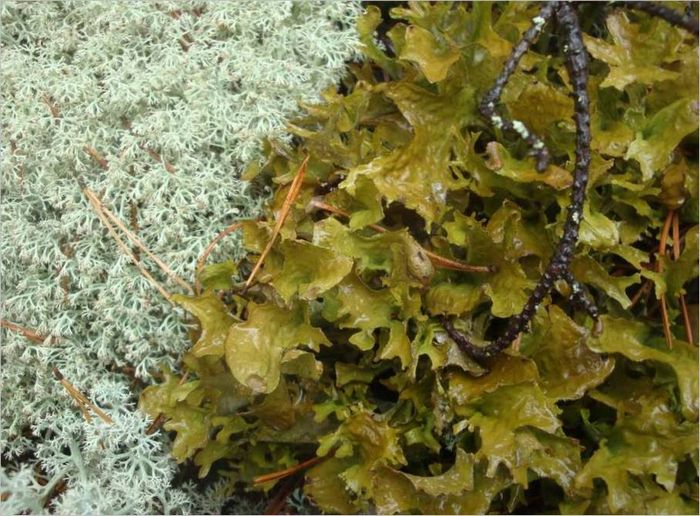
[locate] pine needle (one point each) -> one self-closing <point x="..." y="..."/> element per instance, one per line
<point x="105" y="221"/>
<point x="286" y="207"/>
<point x="659" y="266"/>
<point x="641" y="291"/>
<point x="26" y="332"/>
<point x="289" y="471"/>
<point x="137" y="241"/>
<point x="675" y="228"/>
<point x="83" y="402"/>
<point x="94" y="154"/>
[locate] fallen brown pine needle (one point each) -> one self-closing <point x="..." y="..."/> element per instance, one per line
<point x="659" y="266"/>
<point x="289" y="471"/>
<point x="641" y="291"/>
<point x="675" y="228"/>
<point x="83" y="402"/>
<point x="289" y="200"/>
<point x="105" y="221"/>
<point x="153" y="154"/>
<point x="136" y="240"/>
<point x="94" y="154"/>
<point x="26" y="332"/>
<point x="438" y="261"/>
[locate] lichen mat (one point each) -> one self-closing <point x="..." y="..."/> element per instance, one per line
<point x="409" y="214"/>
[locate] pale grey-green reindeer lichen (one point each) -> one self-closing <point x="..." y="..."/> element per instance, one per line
<point x="157" y="107"/>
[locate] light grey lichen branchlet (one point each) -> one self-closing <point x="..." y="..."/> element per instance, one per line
<point x="157" y="107"/>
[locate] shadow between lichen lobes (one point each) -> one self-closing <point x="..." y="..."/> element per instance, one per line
<point x="338" y="350"/>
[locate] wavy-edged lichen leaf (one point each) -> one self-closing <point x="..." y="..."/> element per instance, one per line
<point x="308" y="270"/>
<point x="394" y="493"/>
<point x="347" y="373"/>
<point x="470" y="234"/>
<point x="366" y="195"/>
<point x="647" y="404"/>
<point x="635" y="56"/>
<point x="504" y="371"/>
<point x="627" y="452"/>
<point x="549" y="456"/>
<point x="586" y="270"/>
<point x="632" y="255"/>
<point x="453" y="298"/>
<point x="301" y="363"/>
<point x="567" y="367"/>
<point x="499" y="414"/>
<point x="519" y="235"/>
<point x="654" y="145"/>
<point x="418" y="175"/>
<point x="157" y="399"/>
<point x="213" y="451"/>
<point x="366" y="25"/>
<point x="215" y="320"/>
<point x="459" y="478"/>
<point x="680" y="271"/>
<point x="371" y="435"/>
<point x="508" y="289"/>
<point x="537" y="104"/>
<point x="395" y="253"/>
<point x="327" y="490"/>
<point x="597" y="230"/>
<point x="523" y="171"/>
<point x="254" y="348"/>
<point x="192" y="427"/>
<point x="628" y="338"/>
<point x="432" y="56"/>
<point x="218" y="275"/>
<point x="352" y="304"/>
<point x="397" y="345"/>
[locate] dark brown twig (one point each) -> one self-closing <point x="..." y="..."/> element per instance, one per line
<point x="490" y="100"/>
<point x="681" y="20"/>
<point x="558" y="268"/>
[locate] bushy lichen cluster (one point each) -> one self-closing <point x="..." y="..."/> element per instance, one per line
<point x="337" y="351"/>
<point x="156" y="107"/>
